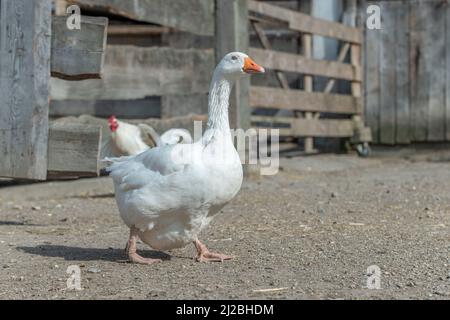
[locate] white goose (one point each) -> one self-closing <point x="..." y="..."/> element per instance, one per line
<point x="168" y="194"/>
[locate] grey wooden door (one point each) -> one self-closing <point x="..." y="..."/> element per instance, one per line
<point x="407" y="64"/>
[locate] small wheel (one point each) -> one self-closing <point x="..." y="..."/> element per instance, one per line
<point x="363" y="150"/>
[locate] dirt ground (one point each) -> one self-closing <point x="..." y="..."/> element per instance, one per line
<point x="309" y="232"/>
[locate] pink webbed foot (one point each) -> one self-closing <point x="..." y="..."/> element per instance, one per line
<point x="135" y="258"/>
<point x="131" y="250"/>
<point x="204" y="255"/>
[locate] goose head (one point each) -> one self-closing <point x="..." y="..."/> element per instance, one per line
<point x="237" y="64"/>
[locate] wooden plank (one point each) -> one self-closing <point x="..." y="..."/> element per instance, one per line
<point x="124" y="109"/>
<point x="419" y="75"/>
<point x="436" y="64"/>
<point x="232" y="35"/>
<point x="387" y="74"/>
<point x="73" y="150"/>
<point x="265" y="97"/>
<point x="134" y="73"/>
<point x="306" y="23"/>
<point x="175" y="105"/>
<point x="283" y="124"/>
<point x="78" y="54"/>
<point x="196" y="16"/>
<point x="186" y="40"/>
<point x="159" y="125"/>
<point x="402" y="126"/>
<point x="330" y="128"/>
<point x="136" y="30"/>
<point x="25" y="31"/>
<point x="270" y="119"/>
<point x="301" y="127"/>
<point x="294" y="63"/>
<point x="372" y="82"/>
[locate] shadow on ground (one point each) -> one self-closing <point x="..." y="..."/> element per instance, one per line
<point x="18" y="223"/>
<point x="88" y="254"/>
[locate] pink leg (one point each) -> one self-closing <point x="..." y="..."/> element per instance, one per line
<point x="131" y="249"/>
<point x="204" y="255"/>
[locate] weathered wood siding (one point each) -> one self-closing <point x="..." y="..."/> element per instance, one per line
<point x="25" y="31"/>
<point x="78" y="54"/>
<point x="73" y="150"/>
<point x="132" y="72"/>
<point x="232" y="35"/>
<point x="195" y="16"/>
<point x="407" y="63"/>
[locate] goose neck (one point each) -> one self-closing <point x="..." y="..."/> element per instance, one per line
<point x="218" y="103"/>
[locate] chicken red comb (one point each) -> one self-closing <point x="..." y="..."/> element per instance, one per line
<point x="112" y="119"/>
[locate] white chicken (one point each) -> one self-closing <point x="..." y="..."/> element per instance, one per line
<point x="129" y="139"/>
<point x="168" y="194"/>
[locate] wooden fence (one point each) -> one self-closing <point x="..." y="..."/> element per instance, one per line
<point x="408" y="72"/>
<point x="309" y="106"/>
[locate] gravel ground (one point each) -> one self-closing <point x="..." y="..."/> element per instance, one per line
<point x="309" y="232"/>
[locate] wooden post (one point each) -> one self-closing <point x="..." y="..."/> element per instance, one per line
<point x="308" y="86"/>
<point x="306" y="44"/>
<point x="362" y="134"/>
<point x="231" y="33"/>
<point x="355" y="58"/>
<point x="25" y="31"/>
<point x="350" y="13"/>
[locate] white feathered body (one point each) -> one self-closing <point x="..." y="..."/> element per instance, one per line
<point x="171" y="201"/>
<point x="171" y="192"/>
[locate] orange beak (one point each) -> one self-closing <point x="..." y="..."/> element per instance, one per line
<point x="251" y="66"/>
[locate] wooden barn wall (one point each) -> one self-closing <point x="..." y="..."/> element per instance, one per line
<point x="407" y="68"/>
<point x="25" y="47"/>
<point x="195" y="16"/>
<point x="151" y="75"/>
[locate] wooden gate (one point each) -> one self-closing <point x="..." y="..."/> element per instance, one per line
<point x="311" y="108"/>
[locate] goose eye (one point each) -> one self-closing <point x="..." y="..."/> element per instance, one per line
<point x="234" y="58"/>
